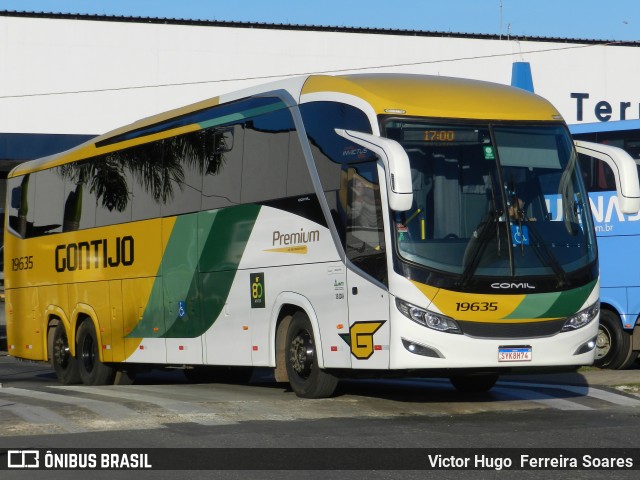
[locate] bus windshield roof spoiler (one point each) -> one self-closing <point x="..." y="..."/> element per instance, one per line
<point x="396" y="164"/>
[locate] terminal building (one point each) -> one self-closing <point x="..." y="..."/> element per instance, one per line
<point x="66" y="78"/>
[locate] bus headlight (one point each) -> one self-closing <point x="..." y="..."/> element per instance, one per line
<point x="428" y="319"/>
<point x="582" y="318"/>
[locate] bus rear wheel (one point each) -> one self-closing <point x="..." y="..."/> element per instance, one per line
<point x="306" y="378"/>
<point x="63" y="363"/>
<point x="92" y="370"/>
<point x="474" y="383"/>
<point x="613" y="344"/>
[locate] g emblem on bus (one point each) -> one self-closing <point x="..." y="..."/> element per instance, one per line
<point x="360" y="338"/>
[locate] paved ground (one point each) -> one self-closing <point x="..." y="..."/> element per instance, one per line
<point x="590" y="376"/>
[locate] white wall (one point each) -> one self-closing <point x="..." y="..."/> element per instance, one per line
<point x="40" y="55"/>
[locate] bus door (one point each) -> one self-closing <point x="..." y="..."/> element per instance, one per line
<point x="367" y="296"/>
<point x="368" y="322"/>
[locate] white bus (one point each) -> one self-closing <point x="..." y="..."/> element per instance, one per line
<point x="324" y="226"/>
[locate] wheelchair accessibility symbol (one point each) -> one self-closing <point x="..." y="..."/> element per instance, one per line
<point x="182" y="308"/>
<point x="519" y="236"/>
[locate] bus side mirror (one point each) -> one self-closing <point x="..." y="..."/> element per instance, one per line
<point x="222" y="140"/>
<point x="624" y="170"/>
<point x="396" y="164"/>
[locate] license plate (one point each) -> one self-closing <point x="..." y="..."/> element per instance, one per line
<point x="514" y="354"/>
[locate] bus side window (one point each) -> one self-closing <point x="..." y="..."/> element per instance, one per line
<point x="21" y="196"/>
<point x="186" y="155"/>
<point x="148" y="180"/>
<point x="266" y="155"/>
<point x="222" y="180"/>
<point x="298" y="177"/>
<point x="111" y="181"/>
<point x="48" y="203"/>
<point x="331" y="151"/>
<point x="79" y="197"/>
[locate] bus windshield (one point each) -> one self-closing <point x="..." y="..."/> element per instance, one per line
<point x="493" y="200"/>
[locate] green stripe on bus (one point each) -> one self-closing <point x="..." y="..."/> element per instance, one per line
<point x="234" y="117"/>
<point x="553" y="305"/>
<point x="571" y="301"/>
<point x="535" y="305"/>
<point x="194" y="286"/>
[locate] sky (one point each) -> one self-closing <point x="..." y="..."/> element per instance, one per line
<point x="577" y="19"/>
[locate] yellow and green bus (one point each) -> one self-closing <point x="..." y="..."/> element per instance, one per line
<point x="322" y="226"/>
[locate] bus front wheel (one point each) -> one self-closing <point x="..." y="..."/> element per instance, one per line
<point x="92" y="370"/>
<point x="63" y="363"/>
<point x="613" y="344"/>
<point x="306" y="378"/>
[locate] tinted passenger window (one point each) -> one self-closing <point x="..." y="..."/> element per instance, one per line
<point x="79" y="197"/>
<point x="266" y="155"/>
<point x="49" y="191"/>
<point x="150" y="180"/>
<point x="223" y="174"/>
<point x="110" y="181"/>
<point x="331" y="151"/>
<point x="22" y="195"/>
<point x="186" y="155"/>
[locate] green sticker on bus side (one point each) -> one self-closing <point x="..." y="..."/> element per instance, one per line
<point x="487" y="150"/>
<point x="257" y="290"/>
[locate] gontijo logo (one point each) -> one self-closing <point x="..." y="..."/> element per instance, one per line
<point x="94" y="254"/>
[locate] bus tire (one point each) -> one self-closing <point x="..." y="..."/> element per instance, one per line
<point x="306" y="378"/>
<point x="62" y="362"/>
<point x="92" y="370"/>
<point x="474" y="383"/>
<point x="613" y="344"/>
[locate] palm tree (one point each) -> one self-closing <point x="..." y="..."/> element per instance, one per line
<point x="156" y="167"/>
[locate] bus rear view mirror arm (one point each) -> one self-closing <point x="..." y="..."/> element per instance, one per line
<point x="624" y="169"/>
<point x="396" y="164"/>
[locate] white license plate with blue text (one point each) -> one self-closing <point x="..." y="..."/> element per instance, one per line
<point x="515" y="354"/>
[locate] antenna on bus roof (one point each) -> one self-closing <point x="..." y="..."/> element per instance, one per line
<point x="500" y="19"/>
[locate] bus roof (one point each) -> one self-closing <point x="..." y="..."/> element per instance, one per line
<point x="438" y="97"/>
<point x="398" y="94"/>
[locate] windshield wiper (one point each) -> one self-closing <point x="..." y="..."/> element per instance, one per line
<point x="478" y="249"/>
<point x="539" y="247"/>
<point x="481" y="245"/>
<point x="542" y="250"/>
